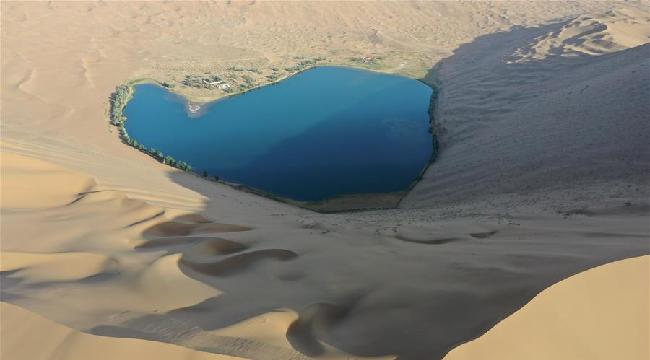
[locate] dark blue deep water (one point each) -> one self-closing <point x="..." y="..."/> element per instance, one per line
<point x="325" y="132"/>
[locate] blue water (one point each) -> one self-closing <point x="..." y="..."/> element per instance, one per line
<point x="325" y="132"/>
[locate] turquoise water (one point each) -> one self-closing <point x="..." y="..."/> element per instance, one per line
<point x="324" y="132"/>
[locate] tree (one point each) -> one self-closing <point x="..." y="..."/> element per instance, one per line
<point x="168" y="160"/>
<point x="183" y="166"/>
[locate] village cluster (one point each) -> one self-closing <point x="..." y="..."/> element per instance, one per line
<point x="206" y="82"/>
<point x="244" y="78"/>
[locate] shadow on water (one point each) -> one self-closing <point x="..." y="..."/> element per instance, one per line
<point x="355" y="172"/>
<point x="360" y="292"/>
<point x="303" y="166"/>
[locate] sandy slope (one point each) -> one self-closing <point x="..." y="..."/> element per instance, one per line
<point x="543" y="174"/>
<point x="57" y="185"/>
<point x="25" y="329"/>
<point x="558" y="120"/>
<point x="571" y="329"/>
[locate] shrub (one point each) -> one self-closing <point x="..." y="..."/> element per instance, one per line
<point x="118" y="101"/>
<point x="248" y="80"/>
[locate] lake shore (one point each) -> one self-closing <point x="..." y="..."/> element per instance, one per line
<point x="540" y="178"/>
<point x="346" y="202"/>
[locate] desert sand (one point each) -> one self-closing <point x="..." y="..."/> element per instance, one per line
<point x="542" y="174"/>
<point x="570" y="330"/>
<point x="55" y="340"/>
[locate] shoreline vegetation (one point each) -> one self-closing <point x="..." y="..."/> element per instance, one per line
<point x="119" y="99"/>
<point x="200" y="87"/>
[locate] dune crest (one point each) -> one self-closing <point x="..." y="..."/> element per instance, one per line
<point x="601" y="313"/>
<point x="542" y="174"/>
<point x="54" y="267"/>
<point x="57" y="341"/>
<point x="32" y="183"/>
<point x="590" y="35"/>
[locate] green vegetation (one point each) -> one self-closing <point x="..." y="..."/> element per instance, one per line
<point x="367" y="60"/>
<point x="118" y="101"/>
<point x="202" y="81"/>
<point x="248" y="79"/>
<point x="434" y="127"/>
<point x="249" y="82"/>
<point x="304" y="64"/>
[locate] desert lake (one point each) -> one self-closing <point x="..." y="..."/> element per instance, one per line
<point x="323" y="133"/>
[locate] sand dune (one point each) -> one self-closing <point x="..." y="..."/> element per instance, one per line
<point x="55" y="185"/>
<point x="58" y="341"/>
<point x="590" y="35"/>
<point x="543" y="174"/>
<point x="599" y="314"/>
<point x="539" y="126"/>
<point x="54" y="267"/>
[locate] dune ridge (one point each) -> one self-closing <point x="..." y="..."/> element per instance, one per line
<point x="613" y="31"/>
<point x="571" y="330"/>
<point x="56" y="340"/>
<point x="540" y="177"/>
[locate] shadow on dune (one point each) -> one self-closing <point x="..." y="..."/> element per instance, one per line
<point x="360" y="291"/>
<point x="561" y="121"/>
<point x="432" y="297"/>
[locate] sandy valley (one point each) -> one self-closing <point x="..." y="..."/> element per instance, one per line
<point x="532" y="222"/>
